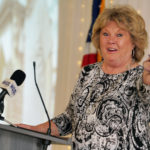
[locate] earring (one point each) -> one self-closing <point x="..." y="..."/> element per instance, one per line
<point x="133" y="53"/>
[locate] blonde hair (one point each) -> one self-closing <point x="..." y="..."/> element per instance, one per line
<point x="128" y="19"/>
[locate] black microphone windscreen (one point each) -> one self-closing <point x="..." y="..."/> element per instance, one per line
<point x="18" y="76"/>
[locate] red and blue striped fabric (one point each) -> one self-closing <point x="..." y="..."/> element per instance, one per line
<point x="91" y="55"/>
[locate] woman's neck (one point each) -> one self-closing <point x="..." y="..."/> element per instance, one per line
<point x="112" y="69"/>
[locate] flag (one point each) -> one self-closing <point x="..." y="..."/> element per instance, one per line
<point x="91" y="55"/>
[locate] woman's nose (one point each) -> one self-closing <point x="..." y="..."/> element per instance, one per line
<point x="112" y="40"/>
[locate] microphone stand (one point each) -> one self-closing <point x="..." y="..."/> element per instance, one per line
<point x="45" y="142"/>
<point x="1" y="105"/>
<point x="10" y="123"/>
<point x="1" y="111"/>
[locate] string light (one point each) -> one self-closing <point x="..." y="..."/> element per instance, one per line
<point x="82" y="5"/>
<point x="69" y="147"/>
<point x="111" y="2"/>
<point x="80" y="48"/>
<point x="138" y="11"/>
<point x="81" y="33"/>
<point x="82" y="20"/>
<point x="79" y="62"/>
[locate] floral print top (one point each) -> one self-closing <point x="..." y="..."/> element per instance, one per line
<point x="107" y="111"/>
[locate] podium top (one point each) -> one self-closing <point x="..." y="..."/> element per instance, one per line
<point x="53" y="139"/>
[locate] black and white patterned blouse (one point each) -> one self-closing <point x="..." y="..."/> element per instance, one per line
<point x="107" y="111"/>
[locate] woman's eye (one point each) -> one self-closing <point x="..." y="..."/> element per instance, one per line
<point x="119" y="35"/>
<point x="105" y="34"/>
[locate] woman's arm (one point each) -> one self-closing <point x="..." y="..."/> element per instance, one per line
<point x="42" y="128"/>
<point x="61" y="124"/>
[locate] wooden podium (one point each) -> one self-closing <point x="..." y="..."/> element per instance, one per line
<point x="13" y="138"/>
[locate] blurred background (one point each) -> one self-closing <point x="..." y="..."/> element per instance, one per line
<point x="53" y="33"/>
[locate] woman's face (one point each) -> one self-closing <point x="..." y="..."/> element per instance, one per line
<point x="115" y="45"/>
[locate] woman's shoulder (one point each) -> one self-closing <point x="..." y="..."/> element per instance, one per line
<point x="90" y="71"/>
<point x="137" y="69"/>
<point x="92" y="66"/>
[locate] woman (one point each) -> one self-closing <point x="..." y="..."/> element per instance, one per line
<point x="109" y="106"/>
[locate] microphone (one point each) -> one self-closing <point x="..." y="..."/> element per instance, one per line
<point x="46" y="142"/>
<point x="9" y="86"/>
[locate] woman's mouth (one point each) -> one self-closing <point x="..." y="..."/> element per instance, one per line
<point x="111" y="49"/>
